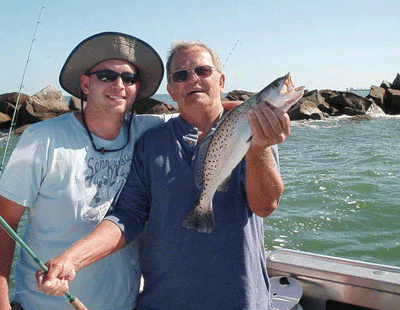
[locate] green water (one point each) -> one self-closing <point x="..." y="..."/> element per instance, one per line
<point x="342" y="190"/>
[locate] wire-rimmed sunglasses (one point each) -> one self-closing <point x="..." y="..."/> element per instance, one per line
<point x="111" y="76"/>
<point x="182" y="75"/>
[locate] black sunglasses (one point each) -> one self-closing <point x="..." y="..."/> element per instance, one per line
<point x="182" y="75"/>
<point x="110" y="76"/>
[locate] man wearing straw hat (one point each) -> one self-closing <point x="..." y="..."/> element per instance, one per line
<point x="67" y="171"/>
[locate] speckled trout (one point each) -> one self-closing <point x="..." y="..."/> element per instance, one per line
<point x="221" y="153"/>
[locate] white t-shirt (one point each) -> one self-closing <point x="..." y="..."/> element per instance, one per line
<point x="67" y="188"/>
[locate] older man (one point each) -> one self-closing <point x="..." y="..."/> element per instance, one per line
<point x="184" y="269"/>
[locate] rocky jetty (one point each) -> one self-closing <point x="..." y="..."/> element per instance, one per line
<point x="322" y="104"/>
<point x="315" y="104"/>
<point x="50" y="102"/>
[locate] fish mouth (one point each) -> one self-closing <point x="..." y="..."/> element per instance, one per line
<point x="290" y="90"/>
<point x="290" y="93"/>
<point x="289" y="85"/>
<point x="293" y="97"/>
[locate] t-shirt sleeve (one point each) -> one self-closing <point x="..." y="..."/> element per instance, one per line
<point x="23" y="174"/>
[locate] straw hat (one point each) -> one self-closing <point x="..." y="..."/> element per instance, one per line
<point x="113" y="45"/>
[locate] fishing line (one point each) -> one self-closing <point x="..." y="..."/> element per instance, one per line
<point x="237" y="41"/>
<point x="15" y="114"/>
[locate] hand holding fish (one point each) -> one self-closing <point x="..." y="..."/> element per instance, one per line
<point x="269" y="125"/>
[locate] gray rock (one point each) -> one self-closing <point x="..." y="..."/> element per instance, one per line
<point x="48" y="103"/>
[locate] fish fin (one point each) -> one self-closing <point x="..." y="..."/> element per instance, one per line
<point x="224" y="186"/>
<point x="249" y="139"/>
<point x="200" y="219"/>
<point x="201" y="156"/>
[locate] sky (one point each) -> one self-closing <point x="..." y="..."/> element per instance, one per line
<point x="324" y="44"/>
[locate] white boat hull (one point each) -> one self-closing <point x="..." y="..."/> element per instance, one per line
<point x="334" y="283"/>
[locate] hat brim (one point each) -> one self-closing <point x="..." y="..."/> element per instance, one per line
<point x="113" y="45"/>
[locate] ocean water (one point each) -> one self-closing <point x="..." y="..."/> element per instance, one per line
<point x="342" y="189"/>
<point x="342" y="185"/>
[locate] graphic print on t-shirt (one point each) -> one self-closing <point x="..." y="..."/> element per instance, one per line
<point x="108" y="178"/>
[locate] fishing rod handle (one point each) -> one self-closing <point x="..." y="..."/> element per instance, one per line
<point x="78" y="305"/>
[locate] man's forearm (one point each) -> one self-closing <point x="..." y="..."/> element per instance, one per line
<point x="11" y="212"/>
<point x="7" y="246"/>
<point x="104" y="240"/>
<point x="264" y="185"/>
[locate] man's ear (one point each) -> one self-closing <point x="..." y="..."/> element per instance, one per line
<point x="85" y="84"/>
<point x="222" y="82"/>
<point x="171" y="92"/>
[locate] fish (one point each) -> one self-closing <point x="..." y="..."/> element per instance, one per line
<point x="223" y="151"/>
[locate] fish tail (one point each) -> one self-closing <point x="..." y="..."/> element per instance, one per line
<point x="200" y="219"/>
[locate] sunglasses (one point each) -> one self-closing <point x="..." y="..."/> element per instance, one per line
<point x="111" y="76"/>
<point x="182" y="75"/>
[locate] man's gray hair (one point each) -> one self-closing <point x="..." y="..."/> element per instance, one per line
<point x="181" y="46"/>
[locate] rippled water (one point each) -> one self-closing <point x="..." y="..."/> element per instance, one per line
<point x="342" y="190"/>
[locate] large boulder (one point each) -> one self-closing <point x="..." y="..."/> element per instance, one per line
<point x="377" y="94"/>
<point x="8" y="102"/>
<point x="74" y="104"/>
<point x="46" y="104"/>
<point x="346" y="103"/>
<point x="5" y="121"/>
<point x="154" y="106"/>
<point x="386" y="85"/>
<point x="239" y="95"/>
<point x="308" y="107"/>
<point x="387" y="96"/>
<point x="396" y="82"/>
<point x="392" y="101"/>
<point x="306" y="110"/>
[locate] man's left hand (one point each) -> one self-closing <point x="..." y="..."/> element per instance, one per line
<point x="269" y="124"/>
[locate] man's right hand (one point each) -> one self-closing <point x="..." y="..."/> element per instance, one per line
<point x="56" y="280"/>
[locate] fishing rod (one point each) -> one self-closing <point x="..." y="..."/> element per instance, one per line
<point x="13" y="121"/>
<point x="74" y="301"/>
<point x="237" y="41"/>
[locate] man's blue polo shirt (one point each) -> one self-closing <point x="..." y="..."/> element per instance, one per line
<point x="184" y="269"/>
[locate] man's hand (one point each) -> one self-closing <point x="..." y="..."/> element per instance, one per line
<point x="269" y="124"/>
<point x="56" y="280"/>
